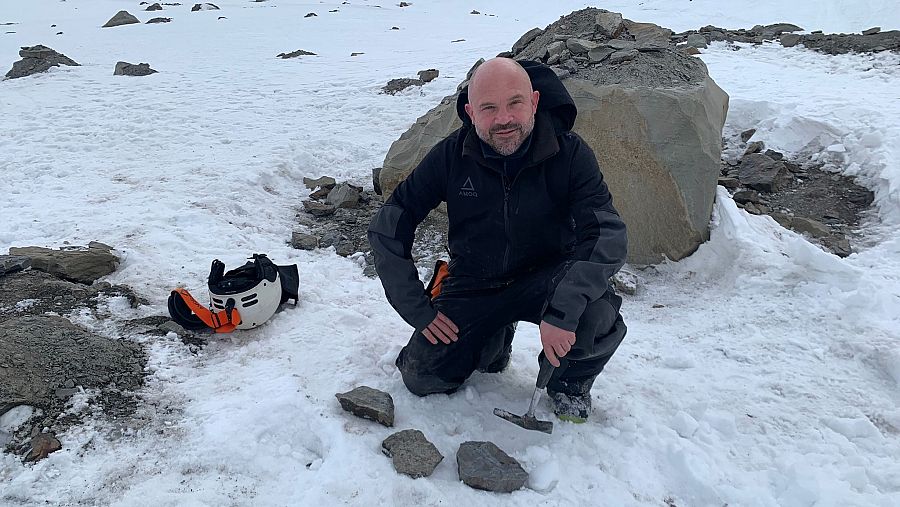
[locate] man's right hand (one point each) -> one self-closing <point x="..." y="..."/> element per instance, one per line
<point x="441" y="328"/>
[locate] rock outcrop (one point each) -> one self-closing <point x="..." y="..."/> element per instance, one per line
<point x="37" y="59"/>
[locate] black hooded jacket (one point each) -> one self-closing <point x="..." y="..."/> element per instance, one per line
<point x="555" y="209"/>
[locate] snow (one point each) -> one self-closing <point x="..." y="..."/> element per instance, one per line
<point x="759" y="371"/>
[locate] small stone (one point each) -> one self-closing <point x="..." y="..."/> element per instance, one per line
<point x="405" y="4"/>
<point x="872" y="31"/>
<point x="838" y="244"/>
<point x="690" y="50"/>
<point x="789" y="40"/>
<point x="428" y="75"/>
<point x="696" y="40"/>
<point x="13" y="263"/>
<point x="775" y="155"/>
<point x="619" y="44"/>
<point x="761" y="173"/>
<point x="754" y="147"/>
<point x="623" y="56"/>
<point x="159" y="20"/>
<point x="343" y="196"/>
<point x="483" y="465"/>
<point x="171" y="326"/>
<point x="752" y="208"/>
<point x="369" y="403"/>
<point x="320" y="194"/>
<point x="41" y="446"/>
<point x="154" y="7"/>
<point x="376" y="180"/>
<point x="303" y="241"/>
<point x="809" y="226"/>
<point x="474" y="12"/>
<point x="599" y="54"/>
<point x="609" y="24"/>
<point x="356" y="54"/>
<point x="310" y="15"/>
<point x="324" y="182"/>
<point x="625" y="282"/>
<point x="747" y="134"/>
<point x="579" y="46"/>
<point x="411" y="453"/>
<point x="746" y="196"/>
<point x="318" y="209"/>
<point x="729" y="183"/>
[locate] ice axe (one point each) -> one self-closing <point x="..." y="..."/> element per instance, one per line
<point x="528" y="421"/>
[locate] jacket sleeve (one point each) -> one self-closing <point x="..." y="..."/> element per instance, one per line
<point x="601" y="242"/>
<point x="392" y="231"/>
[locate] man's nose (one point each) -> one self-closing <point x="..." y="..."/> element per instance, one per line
<point x="503" y="116"/>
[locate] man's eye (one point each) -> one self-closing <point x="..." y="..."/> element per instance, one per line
<point x="488" y="108"/>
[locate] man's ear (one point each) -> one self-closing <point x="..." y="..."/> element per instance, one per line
<point x="470" y="111"/>
<point x="535" y="96"/>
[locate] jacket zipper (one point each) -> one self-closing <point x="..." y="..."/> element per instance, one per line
<point x="506" y="190"/>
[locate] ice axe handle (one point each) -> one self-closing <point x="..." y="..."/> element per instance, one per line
<point x="544" y="373"/>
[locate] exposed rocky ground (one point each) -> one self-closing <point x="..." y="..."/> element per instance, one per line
<point x="872" y="40"/>
<point x="799" y="194"/>
<point x="45" y="359"/>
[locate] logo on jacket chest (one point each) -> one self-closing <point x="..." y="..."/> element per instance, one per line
<point x="467" y="189"/>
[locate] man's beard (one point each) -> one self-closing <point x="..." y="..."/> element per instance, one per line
<point x="508" y="146"/>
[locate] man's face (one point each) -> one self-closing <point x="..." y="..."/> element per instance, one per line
<point x="502" y="106"/>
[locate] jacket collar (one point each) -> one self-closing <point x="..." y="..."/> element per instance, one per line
<point x="543" y="144"/>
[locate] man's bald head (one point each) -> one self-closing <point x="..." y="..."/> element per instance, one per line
<point x="496" y="70"/>
<point x="502" y="104"/>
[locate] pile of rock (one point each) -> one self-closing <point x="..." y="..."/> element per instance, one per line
<point x="131" y="69"/>
<point x="799" y="195"/>
<point x="480" y="465"/>
<point x="342" y="220"/>
<point x="37" y="59"/>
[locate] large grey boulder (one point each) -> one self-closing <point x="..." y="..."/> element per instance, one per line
<point x="76" y="264"/>
<point x="121" y="18"/>
<point x="654" y="119"/>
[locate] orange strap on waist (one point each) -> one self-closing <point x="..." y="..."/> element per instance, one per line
<point x="223" y="321"/>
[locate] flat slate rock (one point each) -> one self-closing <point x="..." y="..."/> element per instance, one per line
<point x="411" y="453"/>
<point x="483" y="465"/>
<point x="77" y="264"/>
<point x="369" y="403"/>
<point x="36" y="59"/>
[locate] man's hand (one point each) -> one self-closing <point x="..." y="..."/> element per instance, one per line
<point x="441" y="328"/>
<point x="557" y="342"/>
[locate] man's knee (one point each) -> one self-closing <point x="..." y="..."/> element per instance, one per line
<point x="425" y="384"/>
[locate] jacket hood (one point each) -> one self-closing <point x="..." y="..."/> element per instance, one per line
<point x="555" y="99"/>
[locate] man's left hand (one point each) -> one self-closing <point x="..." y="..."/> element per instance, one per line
<point x="557" y="342"/>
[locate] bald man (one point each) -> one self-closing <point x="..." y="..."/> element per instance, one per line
<point x="533" y="236"/>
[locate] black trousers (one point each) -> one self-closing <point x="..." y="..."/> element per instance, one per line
<point x="486" y="314"/>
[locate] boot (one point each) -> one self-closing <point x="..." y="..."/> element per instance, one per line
<point x="571" y="399"/>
